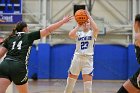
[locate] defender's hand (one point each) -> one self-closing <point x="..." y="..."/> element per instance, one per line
<point x="67" y="18"/>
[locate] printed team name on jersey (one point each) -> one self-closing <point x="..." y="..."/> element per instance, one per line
<point x="85" y="38"/>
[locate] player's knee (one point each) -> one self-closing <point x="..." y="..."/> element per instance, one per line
<point x="72" y="76"/>
<point x="70" y="85"/>
<point x="87" y="77"/>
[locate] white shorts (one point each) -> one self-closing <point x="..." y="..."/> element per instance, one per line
<point x="81" y="63"/>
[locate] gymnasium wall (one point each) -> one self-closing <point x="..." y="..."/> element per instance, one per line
<point x="111" y="62"/>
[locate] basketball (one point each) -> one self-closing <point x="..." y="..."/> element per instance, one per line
<point x="80" y="16"/>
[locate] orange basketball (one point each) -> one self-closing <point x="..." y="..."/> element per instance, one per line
<point x="80" y="16"/>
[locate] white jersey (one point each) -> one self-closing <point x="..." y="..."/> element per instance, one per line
<point x="85" y="43"/>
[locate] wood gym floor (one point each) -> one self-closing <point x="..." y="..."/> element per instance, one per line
<point x="57" y="86"/>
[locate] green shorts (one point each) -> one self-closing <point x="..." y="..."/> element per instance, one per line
<point x="13" y="70"/>
<point x="134" y="79"/>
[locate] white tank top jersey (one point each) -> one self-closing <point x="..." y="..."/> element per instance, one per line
<point x="85" y="43"/>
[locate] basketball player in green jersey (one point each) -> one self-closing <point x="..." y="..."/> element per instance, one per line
<point x="17" y="46"/>
<point x="132" y="85"/>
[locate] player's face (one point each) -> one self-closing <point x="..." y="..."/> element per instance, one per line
<point x="86" y="26"/>
<point x="137" y="26"/>
<point x="26" y="29"/>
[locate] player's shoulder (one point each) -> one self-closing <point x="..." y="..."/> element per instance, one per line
<point x="20" y="33"/>
<point x="20" y="36"/>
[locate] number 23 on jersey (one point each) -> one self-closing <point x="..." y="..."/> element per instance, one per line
<point x="84" y="45"/>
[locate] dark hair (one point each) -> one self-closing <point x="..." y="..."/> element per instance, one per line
<point x="20" y="25"/>
<point x="19" y="28"/>
<point x="137" y="18"/>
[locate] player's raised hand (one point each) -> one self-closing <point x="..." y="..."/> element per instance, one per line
<point x="87" y="13"/>
<point x="67" y="18"/>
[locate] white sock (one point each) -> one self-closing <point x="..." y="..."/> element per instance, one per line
<point x="88" y="87"/>
<point x="70" y="85"/>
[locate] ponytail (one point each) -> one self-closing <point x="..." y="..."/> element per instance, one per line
<point x="11" y="35"/>
<point x="19" y="28"/>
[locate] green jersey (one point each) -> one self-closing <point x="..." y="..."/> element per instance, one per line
<point x="18" y="46"/>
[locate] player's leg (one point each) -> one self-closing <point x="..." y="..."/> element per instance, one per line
<point x="87" y="74"/>
<point x="74" y="71"/>
<point x="21" y="82"/>
<point x="71" y="80"/>
<point x="23" y="88"/>
<point x="122" y="90"/>
<point x="87" y="79"/>
<point x="130" y="86"/>
<point x="4" y="83"/>
<point x="19" y="76"/>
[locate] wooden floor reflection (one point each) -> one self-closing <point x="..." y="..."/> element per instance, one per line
<point x="57" y="86"/>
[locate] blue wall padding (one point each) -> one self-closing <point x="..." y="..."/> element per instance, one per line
<point x="43" y="61"/>
<point x="110" y="62"/>
<point x="33" y="62"/>
<point x="132" y="62"/>
<point x="61" y="56"/>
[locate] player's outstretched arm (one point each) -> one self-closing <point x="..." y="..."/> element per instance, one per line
<point x="94" y="26"/>
<point x="46" y="31"/>
<point x="72" y="33"/>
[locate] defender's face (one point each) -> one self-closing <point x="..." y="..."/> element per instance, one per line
<point x="26" y="29"/>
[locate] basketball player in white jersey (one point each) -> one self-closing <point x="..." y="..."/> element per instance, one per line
<point x="83" y="56"/>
